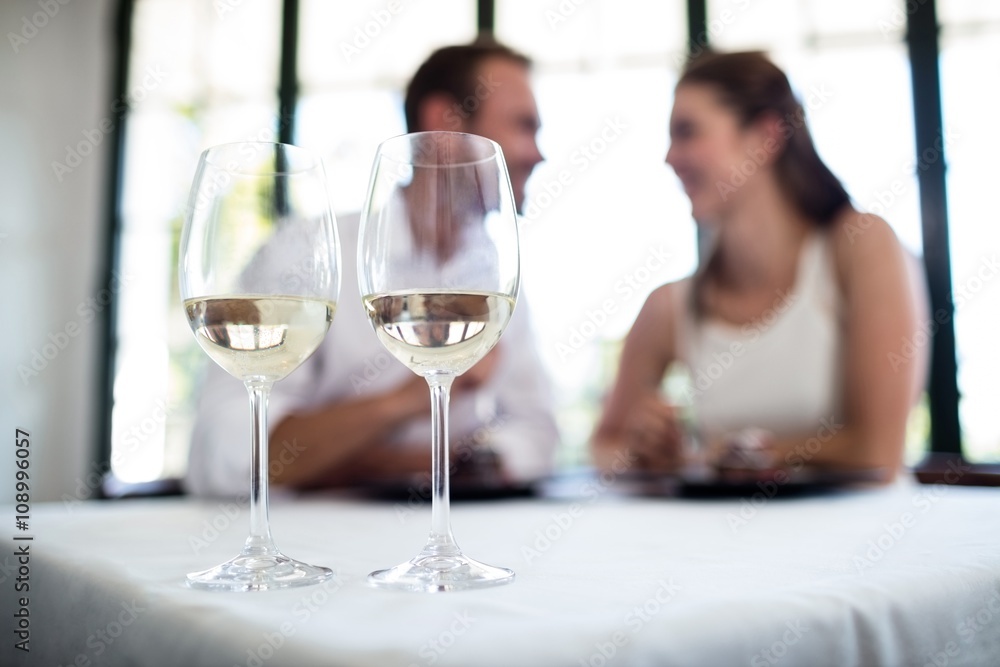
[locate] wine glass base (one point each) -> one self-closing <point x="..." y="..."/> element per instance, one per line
<point x="258" y="573"/>
<point x="435" y="573"/>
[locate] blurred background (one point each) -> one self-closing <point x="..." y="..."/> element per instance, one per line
<point x="108" y="103"/>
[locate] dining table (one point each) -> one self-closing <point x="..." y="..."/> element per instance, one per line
<point x="898" y="574"/>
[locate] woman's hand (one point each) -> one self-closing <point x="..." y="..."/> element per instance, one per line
<point x="654" y="435"/>
<point x="748" y="453"/>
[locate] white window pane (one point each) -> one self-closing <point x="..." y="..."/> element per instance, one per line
<point x="207" y="48"/>
<point x="548" y="35"/>
<point x="968" y="11"/>
<point x="608" y="207"/>
<point x="345" y="128"/>
<point x="198" y="77"/>
<point x="605" y="186"/>
<point x="365" y="42"/>
<point x="576" y="34"/>
<point x="970" y="105"/>
<point x="354" y="62"/>
<point x="858" y="106"/>
<point x="769" y="24"/>
<point x="603" y="202"/>
<point x="155" y="27"/>
<point x="240" y="51"/>
<point x="642" y="27"/>
<point x="887" y="18"/>
<point x="247" y="119"/>
<point x="735" y="25"/>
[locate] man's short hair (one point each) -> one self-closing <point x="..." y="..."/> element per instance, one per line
<point x="453" y="70"/>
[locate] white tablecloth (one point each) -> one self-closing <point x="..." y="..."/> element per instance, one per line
<point x="908" y="575"/>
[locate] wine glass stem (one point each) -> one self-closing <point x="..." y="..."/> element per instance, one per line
<point x="441" y="540"/>
<point x="260" y="541"/>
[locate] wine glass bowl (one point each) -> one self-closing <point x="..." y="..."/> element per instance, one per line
<point x="439" y="332"/>
<point x="259" y="278"/>
<point x="439" y="272"/>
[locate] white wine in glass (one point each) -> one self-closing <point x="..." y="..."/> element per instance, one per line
<point x="259" y="275"/>
<point x="439" y="276"/>
<point x="442" y="331"/>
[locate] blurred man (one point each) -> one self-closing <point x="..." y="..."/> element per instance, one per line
<point x="352" y="414"/>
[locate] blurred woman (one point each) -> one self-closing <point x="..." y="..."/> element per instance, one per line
<point x="793" y="329"/>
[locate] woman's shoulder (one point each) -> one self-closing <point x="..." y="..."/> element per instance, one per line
<point x="861" y="242"/>
<point x="669" y="299"/>
<point x="663" y="313"/>
<point x="654" y="337"/>
<point x="855" y="234"/>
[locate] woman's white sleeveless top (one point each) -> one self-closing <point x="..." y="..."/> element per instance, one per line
<point x="783" y="370"/>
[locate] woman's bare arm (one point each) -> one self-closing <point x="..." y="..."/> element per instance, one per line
<point x="635" y="421"/>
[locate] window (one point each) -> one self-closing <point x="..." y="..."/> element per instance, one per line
<point x="823" y="47"/>
<point x="970" y="46"/>
<point x="603" y="203"/>
<point x="354" y="60"/>
<point x="218" y="84"/>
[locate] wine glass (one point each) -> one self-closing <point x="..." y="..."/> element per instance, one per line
<point x="259" y="277"/>
<point x="439" y="274"/>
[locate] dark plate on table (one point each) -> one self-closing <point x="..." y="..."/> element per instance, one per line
<point x="474" y="475"/>
<point x="706" y="483"/>
<point x="417" y="490"/>
<point x="775" y="483"/>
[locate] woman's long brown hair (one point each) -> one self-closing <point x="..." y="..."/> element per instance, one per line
<point x="754" y="87"/>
